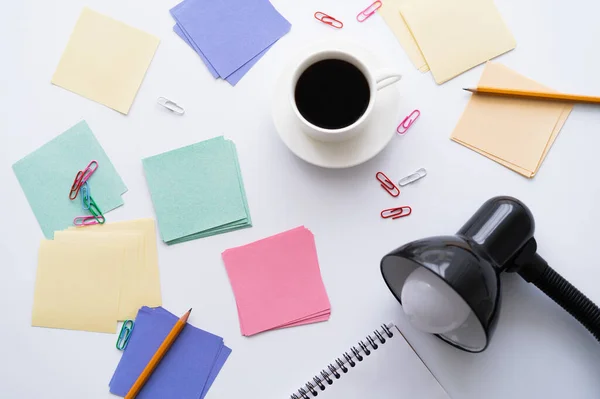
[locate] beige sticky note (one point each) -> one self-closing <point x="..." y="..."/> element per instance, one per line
<point x="105" y="60"/>
<point x="148" y="281"/>
<point x="390" y="12"/>
<point x="455" y="36"/>
<point x="76" y="289"/>
<point x="517" y="133"/>
<point x="131" y="245"/>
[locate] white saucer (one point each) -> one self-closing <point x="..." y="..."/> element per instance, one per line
<point x="377" y="134"/>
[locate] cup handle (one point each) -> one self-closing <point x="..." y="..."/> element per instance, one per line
<point x="386" y="78"/>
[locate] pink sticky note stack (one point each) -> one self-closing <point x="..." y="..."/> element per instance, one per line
<point x="277" y="282"/>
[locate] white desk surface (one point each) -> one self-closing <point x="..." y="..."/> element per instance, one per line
<point x="538" y="351"/>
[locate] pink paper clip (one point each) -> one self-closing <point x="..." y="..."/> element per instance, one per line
<point x="387" y="184"/>
<point x="407" y="122"/>
<point x="395" y="213"/>
<point x="89" y="170"/>
<point x="367" y="12"/>
<point x="329" y="20"/>
<point x="86" y="220"/>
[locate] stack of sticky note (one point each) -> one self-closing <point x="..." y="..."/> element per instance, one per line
<point x="515" y="132"/>
<point x="277" y="282"/>
<point x="88" y="278"/>
<point x="230" y="36"/>
<point x="187" y="371"/>
<point x="448" y="37"/>
<point x="47" y="174"/>
<point x="197" y="191"/>
<point x="105" y="60"/>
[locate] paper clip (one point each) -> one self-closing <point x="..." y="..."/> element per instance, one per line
<point x="81" y="177"/>
<point x="395" y="213"/>
<point x="76" y="186"/>
<point x="87" y="172"/>
<point x="170" y="105"/>
<point x="80" y="221"/>
<point x="125" y="334"/>
<point x="387" y="184"/>
<point x="96" y="212"/>
<point x="85" y="196"/>
<point x="407" y="122"/>
<point x="419" y="174"/>
<point x="367" y="12"/>
<point x="329" y="20"/>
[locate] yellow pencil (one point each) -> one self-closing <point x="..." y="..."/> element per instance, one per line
<point x="536" y="95"/>
<point x="160" y="353"/>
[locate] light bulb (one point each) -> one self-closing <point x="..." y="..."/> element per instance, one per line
<point x="430" y="304"/>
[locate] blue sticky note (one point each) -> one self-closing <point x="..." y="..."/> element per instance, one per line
<point x="46" y="176"/>
<point x="236" y="76"/>
<point x="186" y="372"/>
<point x="230" y="32"/>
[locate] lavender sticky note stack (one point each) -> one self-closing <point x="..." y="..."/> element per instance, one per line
<point x="229" y="35"/>
<point x="188" y="369"/>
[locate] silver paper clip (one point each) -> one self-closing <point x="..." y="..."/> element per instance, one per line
<point x="419" y="174"/>
<point x="170" y="105"/>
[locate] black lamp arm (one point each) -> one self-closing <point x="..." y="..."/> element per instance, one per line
<point x="539" y="273"/>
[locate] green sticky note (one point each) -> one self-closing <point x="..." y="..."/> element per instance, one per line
<point x="46" y="176"/>
<point x="197" y="191"/>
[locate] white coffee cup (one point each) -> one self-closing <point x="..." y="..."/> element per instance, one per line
<point x="377" y="81"/>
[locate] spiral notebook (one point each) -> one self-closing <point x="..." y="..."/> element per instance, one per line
<point x="382" y="366"/>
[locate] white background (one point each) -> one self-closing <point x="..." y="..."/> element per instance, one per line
<point x="538" y="351"/>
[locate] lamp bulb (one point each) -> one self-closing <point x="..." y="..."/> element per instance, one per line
<point x="430" y="304"/>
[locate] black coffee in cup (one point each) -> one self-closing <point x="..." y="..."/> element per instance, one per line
<point x="332" y="94"/>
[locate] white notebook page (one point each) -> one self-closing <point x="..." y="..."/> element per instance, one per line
<point x="393" y="371"/>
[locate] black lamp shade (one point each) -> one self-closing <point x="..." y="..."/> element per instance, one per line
<point x="470" y="263"/>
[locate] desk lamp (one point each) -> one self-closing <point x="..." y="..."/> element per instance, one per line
<point x="450" y="285"/>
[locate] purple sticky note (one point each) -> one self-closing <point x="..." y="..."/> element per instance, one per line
<point x="187" y="370"/>
<point x="235" y="77"/>
<point x="230" y="33"/>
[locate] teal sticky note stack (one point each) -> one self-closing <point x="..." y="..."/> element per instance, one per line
<point x="46" y="176"/>
<point x="197" y="191"/>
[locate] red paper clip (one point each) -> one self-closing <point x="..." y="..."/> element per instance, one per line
<point x="76" y="185"/>
<point x="387" y="184"/>
<point x="408" y="121"/>
<point x="367" y="12"/>
<point x="396" y="213"/>
<point x="81" y="177"/>
<point x="329" y="20"/>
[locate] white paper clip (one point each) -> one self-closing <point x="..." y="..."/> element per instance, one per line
<point x="170" y="105"/>
<point x="419" y="174"/>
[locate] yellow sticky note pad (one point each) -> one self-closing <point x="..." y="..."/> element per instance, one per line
<point x="455" y="36"/>
<point x="147" y="284"/>
<point x="390" y="12"/>
<point x="131" y="246"/>
<point x="76" y="289"/>
<point x="105" y="60"/>
<point x="517" y="133"/>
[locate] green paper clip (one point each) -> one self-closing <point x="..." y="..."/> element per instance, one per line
<point x="96" y="212"/>
<point x="125" y="334"/>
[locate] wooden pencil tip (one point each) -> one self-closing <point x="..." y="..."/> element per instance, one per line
<point x="190" y="311"/>
<point x="471" y="90"/>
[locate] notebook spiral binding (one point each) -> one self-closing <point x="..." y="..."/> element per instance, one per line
<point x="340" y="365"/>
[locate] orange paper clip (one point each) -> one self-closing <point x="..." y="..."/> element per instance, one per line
<point x="367" y="12"/>
<point x="396" y="213"/>
<point x="407" y="122"/>
<point x="329" y="20"/>
<point x="387" y="184"/>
